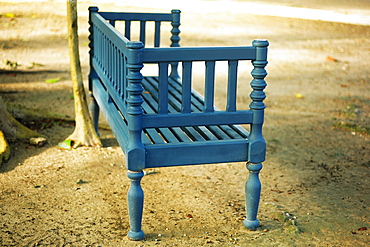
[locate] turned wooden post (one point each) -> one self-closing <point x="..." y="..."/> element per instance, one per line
<point x="135" y="155"/>
<point x="175" y="39"/>
<point x="257" y="144"/>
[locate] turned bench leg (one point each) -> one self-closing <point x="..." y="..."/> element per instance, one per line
<point x="94" y="111"/>
<point x="253" y="192"/>
<point x="135" y="199"/>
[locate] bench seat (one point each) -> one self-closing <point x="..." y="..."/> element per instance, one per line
<point x="210" y="141"/>
<point x="216" y="143"/>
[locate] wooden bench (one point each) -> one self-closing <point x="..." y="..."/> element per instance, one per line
<point x="160" y="121"/>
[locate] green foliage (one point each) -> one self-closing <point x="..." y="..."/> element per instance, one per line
<point x="355" y="117"/>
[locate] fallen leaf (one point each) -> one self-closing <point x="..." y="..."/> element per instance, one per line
<point x="68" y="144"/>
<point x="331" y="59"/>
<point x="54" y="80"/>
<point x="9" y="15"/>
<point x="80" y="181"/>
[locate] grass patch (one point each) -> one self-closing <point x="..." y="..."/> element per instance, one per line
<point x="355" y="117"/>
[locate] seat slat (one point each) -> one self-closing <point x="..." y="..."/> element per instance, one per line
<point x="205" y="133"/>
<point x="193" y="134"/>
<point x="168" y="135"/>
<point x="154" y="137"/>
<point x="181" y="136"/>
<point x="218" y="132"/>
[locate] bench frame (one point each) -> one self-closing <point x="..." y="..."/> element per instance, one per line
<point x="161" y="121"/>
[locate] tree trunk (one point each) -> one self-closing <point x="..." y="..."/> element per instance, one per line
<point x="84" y="133"/>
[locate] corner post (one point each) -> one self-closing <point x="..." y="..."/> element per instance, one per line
<point x="135" y="152"/>
<point x="93" y="107"/>
<point x="257" y="144"/>
<point x="175" y="39"/>
<point x="135" y="155"/>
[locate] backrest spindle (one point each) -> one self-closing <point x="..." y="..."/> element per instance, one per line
<point x="186" y="87"/>
<point x="128" y="30"/>
<point x="232" y="86"/>
<point x="163" y="88"/>
<point x="209" y="94"/>
<point x="142" y="31"/>
<point x="157" y="34"/>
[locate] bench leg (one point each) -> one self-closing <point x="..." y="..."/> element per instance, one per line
<point x="253" y="192"/>
<point x="135" y="198"/>
<point x="94" y="111"/>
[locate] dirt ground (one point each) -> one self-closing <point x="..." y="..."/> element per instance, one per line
<point x="315" y="179"/>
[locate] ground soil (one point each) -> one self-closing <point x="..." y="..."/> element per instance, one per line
<point x="315" y="179"/>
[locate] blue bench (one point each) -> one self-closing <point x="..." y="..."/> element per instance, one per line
<point x="160" y="121"/>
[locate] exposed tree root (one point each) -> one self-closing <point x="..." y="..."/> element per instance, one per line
<point x="4" y="149"/>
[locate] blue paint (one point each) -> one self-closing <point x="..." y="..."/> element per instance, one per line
<point x="161" y="121"/>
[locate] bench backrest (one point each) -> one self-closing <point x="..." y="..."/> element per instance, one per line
<point x="143" y="19"/>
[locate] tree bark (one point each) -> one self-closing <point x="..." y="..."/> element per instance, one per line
<point x="84" y="133"/>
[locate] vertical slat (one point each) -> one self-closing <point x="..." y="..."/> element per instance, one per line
<point x="142" y="31"/>
<point x="209" y="93"/>
<point x="104" y="51"/>
<point x="125" y="72"/>
<point x="232" y="86"/>
<point x="109" y="64"/>
<point x="116" y="68"/>
<point x="119" y="75"/>
<point x="186" y="87"/>
<point x="122" y="74"/>
<point x="112" y="65"/>
<point x="112" y="22"/>
<point x="157" y="34"/>
<point x="163" y="88"/>
<point x="128" y="30"/>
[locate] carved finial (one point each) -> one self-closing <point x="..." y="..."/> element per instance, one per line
<point x="93" y="9"/>
<point x="259" y="73"/>
<point x="175" y="39"/>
